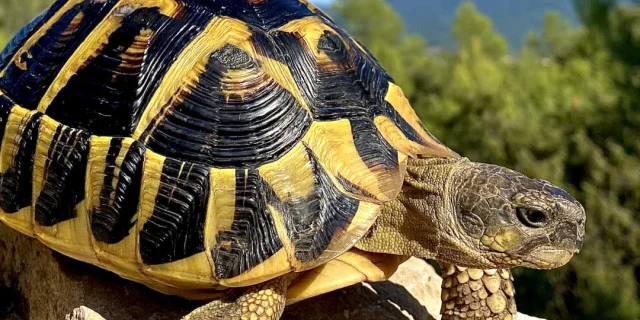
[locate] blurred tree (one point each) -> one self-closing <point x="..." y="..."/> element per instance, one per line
<point x="15" y="13"/>
<point x="471" y="29"/>
<point x="385" y="37"/>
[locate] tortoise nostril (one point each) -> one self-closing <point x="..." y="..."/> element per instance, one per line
<point x="567" y="236"/>
<point x="532" y="218"/>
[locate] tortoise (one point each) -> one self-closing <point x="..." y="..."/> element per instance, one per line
<point x="252" y="153"/>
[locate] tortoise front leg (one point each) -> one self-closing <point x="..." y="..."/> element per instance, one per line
<point x="265" y="301"/>
<point x="478" y="294"/>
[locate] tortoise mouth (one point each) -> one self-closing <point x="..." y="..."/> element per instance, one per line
<point x="547" y="258"/>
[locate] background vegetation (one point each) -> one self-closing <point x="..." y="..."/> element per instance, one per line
<point x="565" y="107"/>
<point x="432" y="19"/>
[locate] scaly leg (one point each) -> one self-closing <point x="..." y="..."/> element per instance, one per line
<point x="478" y="294"/>
<point x="265" y="301"/>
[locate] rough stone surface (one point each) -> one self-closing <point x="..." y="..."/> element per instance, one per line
<point x="36" y="283"/>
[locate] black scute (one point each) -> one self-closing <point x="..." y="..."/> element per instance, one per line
<point x="266" y="14"/>
<point x="170" y="39"/>
<point x="49" y="54"/>
<point x="373" y="148"/>
<point x="16" y="182"/>
<point x="64" y="177"/>
<point x="219" y="130"/>
<point x="100" y="97"/>
<point x="113" y="218"/>
<point x="252" y="237"/>
<point x="6" y="105"/>
<point x="314" y="221"/>
<point x="175" y="230"/>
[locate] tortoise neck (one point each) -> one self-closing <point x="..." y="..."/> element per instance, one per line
<point x="413" y="223"/>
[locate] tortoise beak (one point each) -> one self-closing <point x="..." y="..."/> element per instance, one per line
<point x="579" y="243"/>
<point x="569" y="235"/>
<point x="580" y="228"/>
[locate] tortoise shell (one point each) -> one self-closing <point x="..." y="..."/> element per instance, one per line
<point x="198" y="143"/>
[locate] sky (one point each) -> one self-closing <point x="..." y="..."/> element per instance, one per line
<point x="321" y="2"/>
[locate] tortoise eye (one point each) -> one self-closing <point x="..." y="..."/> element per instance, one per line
<point x="532" y="218"/>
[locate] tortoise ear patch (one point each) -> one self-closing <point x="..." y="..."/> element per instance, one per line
<point x="59" y="172"/>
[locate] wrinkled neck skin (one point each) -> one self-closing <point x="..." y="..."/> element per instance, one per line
<point x="418" y="222"/>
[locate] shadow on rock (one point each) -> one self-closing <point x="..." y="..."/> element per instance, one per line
<point x="13" y="305"/>
<point x="54" y="285"/>
<point x="384" y="300"/>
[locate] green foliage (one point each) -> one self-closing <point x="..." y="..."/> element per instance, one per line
<point x="384" y="37"/>
<point x="475" y="32"/>
<point x="15" y="13"/>
<point x="565" y="109"/>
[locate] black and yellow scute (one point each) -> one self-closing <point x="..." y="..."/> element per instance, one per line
<point x="194" y="145"/>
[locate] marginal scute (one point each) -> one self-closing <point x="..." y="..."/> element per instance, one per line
<point x="314" y="220"/>
<point x="374" y="150"/>
<point x="252" y="238"/>
<point x="59" y="172"/>
<point x="405" y="118"/>
<point x="175" y="229"/>
<point x="115" y="167"/>
<point x="327" y="139"/>
<point x="16" y="159"/>
<point x="6" y="105"/>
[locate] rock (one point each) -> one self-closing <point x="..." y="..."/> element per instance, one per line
<point x="526" y="317"/>
<point x="422" y="282"/>
<point x="84" y="313"/>
<point x="41" y="284"/>
<point x="36" y="283"/>
<point x="413" y="292"/>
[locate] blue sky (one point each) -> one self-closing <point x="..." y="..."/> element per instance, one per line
<point x="321" y="2"/>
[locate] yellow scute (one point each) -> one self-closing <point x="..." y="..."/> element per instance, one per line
<point x="352" y="267"/>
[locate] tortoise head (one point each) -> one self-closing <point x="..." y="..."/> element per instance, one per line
<point x="478" y="215"/>
<point x="513" y="220"/>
